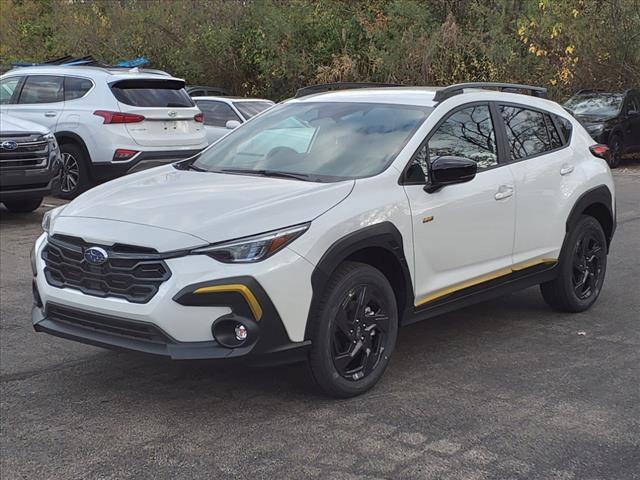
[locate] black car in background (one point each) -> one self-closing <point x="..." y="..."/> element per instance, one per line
<point x="611" y="118"/>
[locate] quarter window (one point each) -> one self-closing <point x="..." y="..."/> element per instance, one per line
<point x="42" y="89"/>
<point x="75" y="87"/>
<point x="565" y="128"/>
<point x="527" y="132"/>
<point x="7" y="89"/>
<point x="217" y="114"/>
<point x="554" y="137"/>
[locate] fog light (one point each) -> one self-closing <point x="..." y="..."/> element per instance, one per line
<point x="241" y="332"/>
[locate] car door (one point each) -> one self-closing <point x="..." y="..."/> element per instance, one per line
<point x="216" y="115"/>
<point x="545" y="177"/>
<point x="41" y="100"/>
<point x="631" y="111"/>
<point x="462" y="234"/>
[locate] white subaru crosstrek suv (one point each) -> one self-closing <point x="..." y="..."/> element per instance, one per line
<point x="108" y="121"/>
<point x="318" y="228"/>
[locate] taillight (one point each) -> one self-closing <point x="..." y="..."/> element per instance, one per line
<point x="199" y="117"/>
<point x="123" y="154"/>
<point x="600" y="151"/>
<point x="118" y="117"/>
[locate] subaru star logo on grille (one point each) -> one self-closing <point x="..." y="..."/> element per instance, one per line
<point x="95" y="255"/>
<point x="9" y="145"/>
<point x="172" y="113"/>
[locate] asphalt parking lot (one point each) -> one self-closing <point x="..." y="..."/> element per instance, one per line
<point x="507" y="389"/>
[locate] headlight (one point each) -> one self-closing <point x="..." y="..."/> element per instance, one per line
<point x="51" y="138"/>
<point x="254" y="248"/>
<point x="49" y="217"/>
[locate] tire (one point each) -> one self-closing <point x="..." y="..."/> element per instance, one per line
<point x="616" y="147"/>
<point x="354" y="331"/>
<point x="23" y="206"/>
<point x="74" y="177"/>
<point x="581" y="271"/>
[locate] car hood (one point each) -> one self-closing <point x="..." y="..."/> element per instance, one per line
<point x="10" y="124"/>
<point x="211" y="206"/>
<point x="593" y="119"/>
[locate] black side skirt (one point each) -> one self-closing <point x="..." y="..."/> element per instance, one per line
<point x="479" y="293"/>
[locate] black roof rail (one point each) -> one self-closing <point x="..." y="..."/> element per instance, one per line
<point x="457" y="89"/>
<point x="327" y="87"/>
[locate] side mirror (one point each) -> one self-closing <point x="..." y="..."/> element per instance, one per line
<point x="231" y="124"/>
<point x="450" y="171"/>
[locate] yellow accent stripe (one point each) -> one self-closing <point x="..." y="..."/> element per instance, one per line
<point x="484" y="278"/>
<point x="248" y="295"/>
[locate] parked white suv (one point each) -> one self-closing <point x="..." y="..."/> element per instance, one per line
<point x="318" y="228"/>
<point x="223" y="114"/>
<point x="107" y="121"/>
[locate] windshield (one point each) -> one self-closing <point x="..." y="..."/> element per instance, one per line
<point x="596" y="104"/>
<point x="321" y="140"/>
<point x="249" y="109"/>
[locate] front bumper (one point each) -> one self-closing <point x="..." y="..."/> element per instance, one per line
<point x="104" y="171"/>
<point x="178" y="322"/>
<point x="26" y="184"/>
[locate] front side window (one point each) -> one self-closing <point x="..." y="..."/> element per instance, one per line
<point x="217" y="114"/>
<point x="466" y="133"/>
<point x="42" y="89"/>
<point x="324" y="141"/>
<point x="7" y="88"/>
<point x="527" y="133"/>
<point x="75" y="87"/>
<point x="249" y="109"/>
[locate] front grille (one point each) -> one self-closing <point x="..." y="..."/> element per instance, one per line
<point x="32" y="151"/>
<point x="130" y="272"/>
<point x="109" y="325"/>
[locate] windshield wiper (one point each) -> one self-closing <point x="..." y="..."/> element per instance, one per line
<point x="268" y="173"/>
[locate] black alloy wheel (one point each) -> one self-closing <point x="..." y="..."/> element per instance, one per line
<point x="359" y="332"/>
<point x="588" y="259"/>
<point x="353" y="329"/>
<point x="581" y="269"/>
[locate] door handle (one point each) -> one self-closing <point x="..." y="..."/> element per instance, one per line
<point x="566" y="169"/>
<point x="504" y="191"/>
<point x="50" y="114"/>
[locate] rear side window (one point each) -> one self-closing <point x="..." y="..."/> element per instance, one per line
<point x="249" y="109"/>
<point x="42" y="89"/>
<point x="217" y="114"/>
<point x="527" y="132"/>
<point x="152" y="93"/>
<point x="75" y="87"/>
<point x="7" y="88"/>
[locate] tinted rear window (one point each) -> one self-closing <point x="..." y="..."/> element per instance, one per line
<point x="152" y="93"/>
<point x="249" y="109"/>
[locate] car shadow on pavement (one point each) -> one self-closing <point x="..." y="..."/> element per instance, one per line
<point x="421" y="346"/>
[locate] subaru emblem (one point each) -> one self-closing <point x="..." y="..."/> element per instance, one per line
<point x="9" y="145"/>
<point x="172" y="113"/>
<point x="95" y="255"/>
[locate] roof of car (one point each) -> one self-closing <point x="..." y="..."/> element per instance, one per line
<point x="91" y="71"/>
<point x="425" y="96"/>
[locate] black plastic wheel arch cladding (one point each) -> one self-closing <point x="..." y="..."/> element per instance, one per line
<point x="598" y="200"/>
<point x="383" y="235"/>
